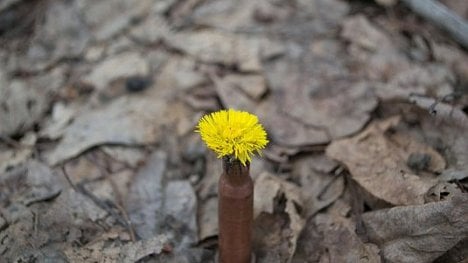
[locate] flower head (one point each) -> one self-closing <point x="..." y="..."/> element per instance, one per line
<point x="231" y="132"/>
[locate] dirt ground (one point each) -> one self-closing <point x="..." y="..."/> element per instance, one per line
<point x="365" y="104"/>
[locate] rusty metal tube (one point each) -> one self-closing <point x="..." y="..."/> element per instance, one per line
<point x="235" y="212"/>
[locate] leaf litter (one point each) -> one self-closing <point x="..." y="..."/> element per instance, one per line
<point x="365" y="109"/>
<point x="387" y="177"/>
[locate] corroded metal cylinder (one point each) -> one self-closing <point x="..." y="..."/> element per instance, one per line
<point x="235" y="213"/>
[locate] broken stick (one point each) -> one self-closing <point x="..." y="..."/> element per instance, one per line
<point x="441" y="16"/>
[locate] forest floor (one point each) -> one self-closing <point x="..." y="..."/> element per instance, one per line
<point x="365" y="106"/>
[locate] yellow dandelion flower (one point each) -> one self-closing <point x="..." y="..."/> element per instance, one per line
<point x="232" y="132"/>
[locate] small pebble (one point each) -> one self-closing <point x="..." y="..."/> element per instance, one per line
<point x="137" y="83"/>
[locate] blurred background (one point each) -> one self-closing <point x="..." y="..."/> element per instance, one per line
<point x="365" y="104"/>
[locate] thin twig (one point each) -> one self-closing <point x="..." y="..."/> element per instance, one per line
<point x="65" y="173"/>
<point x="130" y="228"/>
<point x="101" y="204"/>
<point x="119" y="206"/>
<point x="10" y="142"/>
<point x="105" y="172"/>
<point x="438" y="108"/>
<point x="357" y="206"/>
<point x="441" y="16"/>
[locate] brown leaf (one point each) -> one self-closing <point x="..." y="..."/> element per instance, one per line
<point x="107" y="18"/>
<point x="207" y="192"/>
<point x="428" y="79"/>
<point x="278" y="218"/>
<point x="153" y="29"/>
<point x="145" y="197"/>
<point x="441" y="192"/>
<point x="332" y="237"/>
<point x="253" y="85"/>
<point x="289" y="131"/>
<point x="24" y="101"/>
<point x="281" y="128"/>
<point x="12" y="157"/>
<point x="445" y="127"/>
<point x="303" y="109"/>
<point x="184" y="73"/>
<point x="375" y="51"/>
<point x="341" y="242"/>
<point x="17" y="240"/>
<point x="377" y="161"/>
<point x="310" y="244"/>
<point x="456" y="254"/>
<point x="179" y="209"/>
<point x="131" y="156"/>
<point x="228" y="49"/>
<point x="120" y="66"/>
<point x="127" y="120"/>
<point x="330" y="109"/>
<point x="228" y="15"/>
<point x="418" y="233"/>
<point x="208" y="218"/>
<point x="60" y="117"/>
<point x="232" y="96"/>
<point x="279" y="18"/>
<point x="30" y="183"/>
<point x="107" y="251"/>
<point x="60" y="34"/>
<point x="319" y="186"/>
<point x="209" y="184"/>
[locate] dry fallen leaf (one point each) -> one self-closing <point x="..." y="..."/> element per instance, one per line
<point x="286" y="19"/>
<point x="332" y="237"/>
<point x="310" y="245"/>
<point x="113" y="89"/>
<point x="444" y="127"/>
<point x="70" y="214"/>
<point x="378" y="57"/>
<point x="430" y="79"/>
<point x="341" y="244"/>
<point x="60" y="34"/>
<point x="456" y="254"/>
<point x="418" y="233"/>
<point x="228" y="49"/>
<point x="180" y="209"/>
<point x="10" y="158"/>
<point x="185" y="73"/>
<point x="319" y="187"/>
<point x="290" y="123"/>
<point x="208" y="219"/>
<point x="30" y="183"/>
<point x="120" y="66"/>
<point x="25" y="101"/>
<point x="106" y="19"/>
<point x="300" y="108"/>
<point x="377" y="160"/>
<point x="145" y="197"/>
<point x="107" y="251"/>
<point x="253" y="85"/>
<point x="278" y="218"/>
<point x="127" y="120"/>
<point x="131" y="156"/>
<point x="150" y="31"/>
<point x="328" y="109"/>
<point x="55" y="125"/>
<point x="224" y="13"/>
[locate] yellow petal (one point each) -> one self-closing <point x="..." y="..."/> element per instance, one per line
<point x="232" y="132"/>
